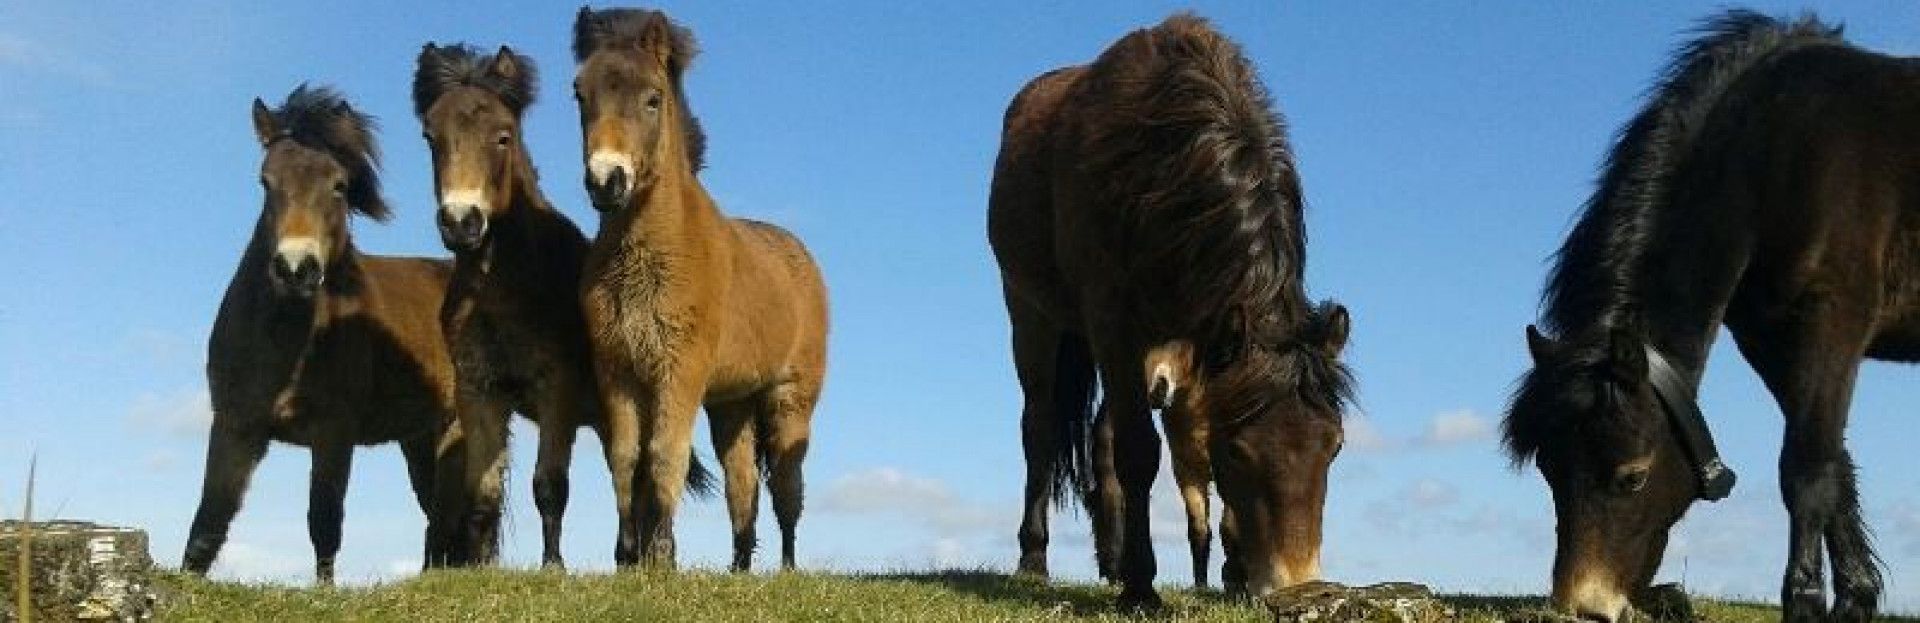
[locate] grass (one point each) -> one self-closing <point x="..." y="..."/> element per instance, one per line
<point x="710" y="596"/>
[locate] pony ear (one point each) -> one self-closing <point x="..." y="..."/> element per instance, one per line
<point x="1334" y="326"/>
<point x="657" y="37"/>
<point x="1540" y="346"/>
<point x="265" y="127"/>
<point x="505" y="66"/>
<point x="1627" y="354"/>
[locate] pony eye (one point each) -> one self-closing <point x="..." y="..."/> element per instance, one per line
<point x="653" y="102"/>
<point x="1630" y="480"/>
<point x="339" y="188"/>
<point x="503" y="139"/>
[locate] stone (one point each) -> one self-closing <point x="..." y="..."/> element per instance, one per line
<point x="1390" y="602"/>
<point x="79" y="571"/>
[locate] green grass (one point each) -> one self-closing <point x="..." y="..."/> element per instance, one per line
<point x="707" y="596"/>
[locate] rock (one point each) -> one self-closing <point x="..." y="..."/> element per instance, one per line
<point x="79" y="571"/>
<point x="1390" y="602"/>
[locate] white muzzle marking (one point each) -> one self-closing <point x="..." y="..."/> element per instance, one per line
<point x="458" y="203"/>
<point x="602" y="163"/>
<point x="293" y="250"/>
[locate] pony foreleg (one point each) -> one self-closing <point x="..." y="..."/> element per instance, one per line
<point x="483" y="423"/>
<point x="666" y="447"/>
<point x="326" y="503"/>
<point x="1192" y="472"/>
<point x="418" y="452"/>
<point x="232" y="454"/>
<point x="622" y="439"/>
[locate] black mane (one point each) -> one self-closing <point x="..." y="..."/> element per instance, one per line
<point x="1595" y="288"/>
<point x="609" y="29"/>
<point x="1594" y="272"/>
<point x="442" y="68"/>
<point x="319" y="118"/>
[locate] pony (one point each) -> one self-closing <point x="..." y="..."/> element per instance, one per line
<point x="684" y="306"/>
<point x="317" y="344"/>
<point x="1148" y="201"/>
<point x="1767" y="184"/>
<point x="511" y="314"/>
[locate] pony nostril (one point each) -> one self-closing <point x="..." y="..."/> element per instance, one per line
<point x="617" y="179"/>
<point x="470" y="224"/>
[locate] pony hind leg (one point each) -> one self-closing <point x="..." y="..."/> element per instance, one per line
<point x="232" y="454"/>
<point x="419" y="454"/>
<point x="788" y="428"/>
<point x="1039" y="350"/>
<point x="326" y="503"/>
<point x="1810" y="365"/>
<point x="735" y="439"/>
<point x="558" y="418"/>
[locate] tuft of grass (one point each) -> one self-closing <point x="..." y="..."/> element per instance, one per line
<point x="957" y="595"/>
<point x="23" y="579"/>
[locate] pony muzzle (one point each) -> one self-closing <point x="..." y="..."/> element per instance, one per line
<point x="295" y="269"/>
<point x="463" y="224"/>
<point x="610" y="180"/>
<point x="1163" y="387"/>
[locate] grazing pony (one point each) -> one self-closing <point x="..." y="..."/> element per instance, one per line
<point x="1771" y="183"/>
<point x="685" y="306"/>
<point x="512" y="313"/>
<point x="1142" y="202"/>
<point x="316" y="344"/>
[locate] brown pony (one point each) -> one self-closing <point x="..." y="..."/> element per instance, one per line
<point x="1140" y="202"/>
<point x="1768" y="184"/>
<point x="512" y="314"/>
<point x="316" y="344"/>
<point x="685" y="306"/>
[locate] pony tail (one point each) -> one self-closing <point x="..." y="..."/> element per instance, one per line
<point x="1075" y="385"/>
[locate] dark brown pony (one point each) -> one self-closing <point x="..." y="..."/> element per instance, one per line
<point x="685" y="306"/>
<point x="512" y="314"/>
<point x="1770" y="183"/>
<point x="317" y="344"/>
<point x="1144" y="200"/>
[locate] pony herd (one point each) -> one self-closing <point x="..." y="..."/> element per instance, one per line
<point x="1148" y="224"/>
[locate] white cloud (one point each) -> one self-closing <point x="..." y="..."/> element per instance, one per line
<point x="950" y="553"/>
<point x="1362" y="435"/>
<point x="1430" y="494"/>
<point x="248" y="562"/>
<point x="1456" y="427"/>
<point x="184" y="412"/>
<point x="929" y="502"/>
<point x="30" y="55"/>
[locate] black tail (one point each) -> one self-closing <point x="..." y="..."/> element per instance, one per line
<point x="700" y="481"/>
<point x="1075" y="385"/>
<point x="1636" y="179"/>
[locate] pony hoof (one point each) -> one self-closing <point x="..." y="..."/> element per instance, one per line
<point x="1033" y="567"/>
<point x="1140" y="601"/>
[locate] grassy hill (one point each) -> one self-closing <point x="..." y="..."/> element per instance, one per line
<point x="706" y="596"/>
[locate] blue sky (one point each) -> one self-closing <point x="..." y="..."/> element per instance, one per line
<point x="1444" y="148"/>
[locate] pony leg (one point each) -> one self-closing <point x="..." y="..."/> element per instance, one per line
<point x="446" y="538"/>
<point x="789" y="423"/>
<point x="666" y="449"/>
<point x="483" y="423"/>
<point x="1104" y="502"/>
<point x="1233" y="570"/>
<point x="1035" y="346"/>
<point x="418" y="452"/>
<point x="326" y="503"/>
<point x="622" y="445"/>
<point x="1192" y="472"/>
<point x="734" y="438"/>
<point x="550" y="483"/>
<point x="1810" y="368"/>
<point x="1136" y="462"/>
<point x="232" y="454"/>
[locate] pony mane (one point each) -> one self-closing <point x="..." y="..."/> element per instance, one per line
<point x="1595" y="270"/>
<point x="609" y="29"/>
<point x="318" y="117"/>
<point x="1203" y="175"/>
<point x="1591" y="290"/>
<point x="444" y="68"/>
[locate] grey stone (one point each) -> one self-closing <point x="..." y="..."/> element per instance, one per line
<point x="1390" y="602"/>
<point x="79" y="571"/>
